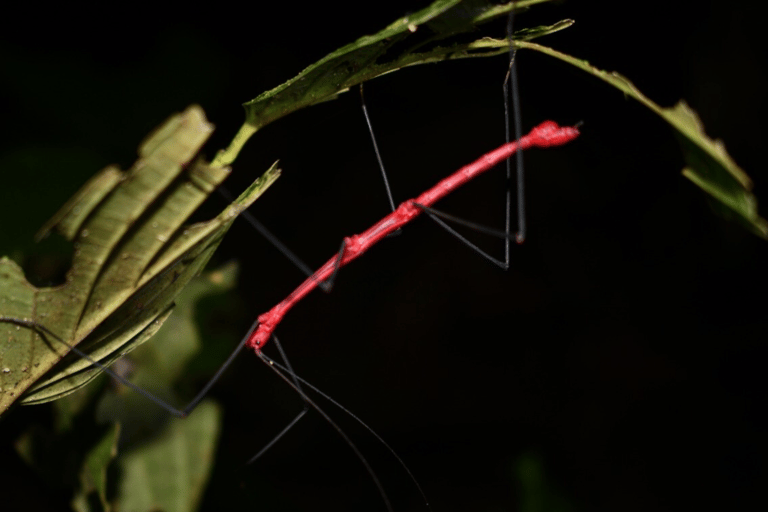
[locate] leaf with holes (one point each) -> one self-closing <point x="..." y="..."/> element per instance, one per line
<point x="133" y="255"/>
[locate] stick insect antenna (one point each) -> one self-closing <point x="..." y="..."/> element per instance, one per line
<point x="510" y="88"/>
<point x="267" y="361"/>
<point x="288" y="369"/>
<point x="358" y="420"/>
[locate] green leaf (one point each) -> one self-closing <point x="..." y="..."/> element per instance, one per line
<point x="709" y="165"/>
<point x="423" y="37"/>
<point x="169" y="473"/>
<point x="159" y="365"/>
<point x="132" y="257"/>
<point x="93" y="474"/>
<point x="536" y="492"/>
<point x="73" y="455"/>
<point x="146" y="432"/>
<point x="176" y="458"/>
<point x="412" y="40"/>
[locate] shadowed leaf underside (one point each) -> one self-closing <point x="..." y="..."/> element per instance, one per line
<point x="133" y="255"/>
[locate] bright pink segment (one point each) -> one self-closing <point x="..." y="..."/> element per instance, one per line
<point x="545" y="135"/>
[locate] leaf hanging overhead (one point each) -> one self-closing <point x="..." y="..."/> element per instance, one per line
<point x="435" y="33"/>
<point x="708" y="164"/>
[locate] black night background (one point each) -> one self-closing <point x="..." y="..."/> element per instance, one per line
<point x="623" y="352"/>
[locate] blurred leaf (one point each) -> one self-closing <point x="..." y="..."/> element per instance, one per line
<point x="151" y="435"/>
<point x="158" y="366"/>
<point x="132" y="257"/>
<point x="709" y="165"/>
<point x="180" y="338"/>
<point x="169" y="473"/>
<point x="93" y="475"/>
<point x="73" y="456"/>
<point x="537" y="493"/>
<point x="145" y="431"/>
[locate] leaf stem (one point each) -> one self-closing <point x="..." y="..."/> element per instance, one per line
<point x="225" y="157"/>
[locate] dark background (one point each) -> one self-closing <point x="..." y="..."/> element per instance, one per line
<point x="625" y="348"/>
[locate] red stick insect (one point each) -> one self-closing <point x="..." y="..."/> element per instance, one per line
<point x="545" y="135"/>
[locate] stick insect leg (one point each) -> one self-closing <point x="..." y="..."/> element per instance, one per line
<point x="376" y="150"/>
<point x="44" y="332"/>
<point x="336" y="266"/>
<point x="511" y="88"/>
<point x="435" y="216"/>
<point x="326" y="285"/>
<point x="183" y="413"/>
<point x="378" y="158"/>
<point x="271" y="238"/>
<point x="498" y="233"/>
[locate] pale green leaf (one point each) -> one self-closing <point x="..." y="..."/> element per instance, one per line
<point x="169" y="473"/>
<point x="93" y="474"/>
<point x="157" y="366"/>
